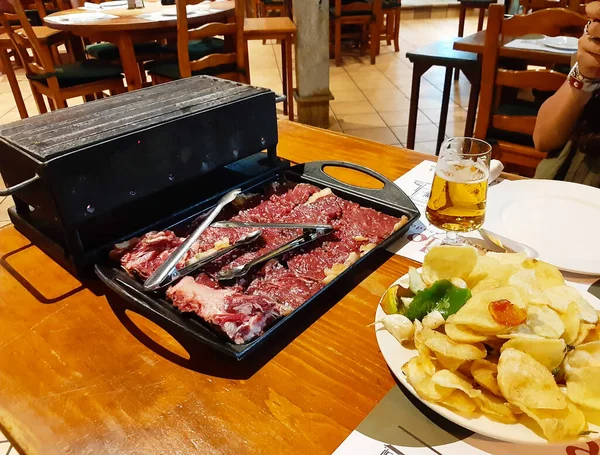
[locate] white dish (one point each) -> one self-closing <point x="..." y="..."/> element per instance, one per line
<point x="396" y="355"/>
<point x="79" y="18"/>
<point x="564" y="43"/>
<point x="560" y="220"/>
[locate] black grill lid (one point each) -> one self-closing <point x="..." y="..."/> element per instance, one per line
<point x="54" y="134"/>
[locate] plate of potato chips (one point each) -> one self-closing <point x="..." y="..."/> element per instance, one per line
<point x="497" y="343"/>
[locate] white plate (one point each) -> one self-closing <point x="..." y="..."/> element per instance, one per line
<point x="565" y="43"/>
<point x="79" y="18"/>
<point x="560" y="220"/>
<point x="397" y="355"/>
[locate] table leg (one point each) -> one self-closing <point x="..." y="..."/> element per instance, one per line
<point x="290" y="76"/>
<point x="481" y="18"/>
<point x="461" y="20"/>
<point x="444" y="112"/>
<point x="130" y="66"/>
<point x="12" y="81"/>
<point x="77" y="48"/>
<point x="473" y="99"/>
<point x="284" y="70"/>
<point x="418" y="71"/>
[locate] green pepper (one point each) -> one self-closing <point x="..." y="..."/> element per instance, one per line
<point x="442" y="296"/>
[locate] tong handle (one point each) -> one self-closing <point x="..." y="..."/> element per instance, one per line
<point x="10" y="190"/>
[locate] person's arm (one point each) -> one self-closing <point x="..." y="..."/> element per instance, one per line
<point x="559" y="114"/>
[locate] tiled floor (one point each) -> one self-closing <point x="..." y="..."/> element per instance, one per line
<point x="370" y="101"/>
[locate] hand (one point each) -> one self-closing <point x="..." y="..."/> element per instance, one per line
<point x="588" y="54"/>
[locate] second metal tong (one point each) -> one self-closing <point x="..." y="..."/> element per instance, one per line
<point x="308" y="236"/>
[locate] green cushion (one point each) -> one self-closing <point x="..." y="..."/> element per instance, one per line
<point x="170" y="69"/>
<point x="272" y="2"/>
<point x="109" y="51"/>
<point x="198" y="48"/>
<point x="351" y="13"/>
<point x="82" y="73"/>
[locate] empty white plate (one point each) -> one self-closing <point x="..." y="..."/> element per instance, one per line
<point x="564" y="43"/>
<point x="560" y="220"/>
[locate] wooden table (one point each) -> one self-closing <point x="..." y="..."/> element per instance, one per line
<point x="82" y="375"/>
<point x="475" y="43"/>
<point x="131" y="27"/>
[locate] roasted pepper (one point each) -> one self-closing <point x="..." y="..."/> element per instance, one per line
<point x="442" y="296"/>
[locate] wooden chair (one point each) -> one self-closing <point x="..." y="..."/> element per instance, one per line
<point x="390" y="23"/>
<point x="225" y="58"/>
<point x="265" y="8"/>
<point x="363" y="13"/>
<point x="57" y="82"/>
<point x="530" y="6"/>
<point x="509" y="126"/>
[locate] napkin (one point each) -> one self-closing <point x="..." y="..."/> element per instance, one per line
<point x="100" y="6"/>
<point x="80" y="18"/>
<point x="496" y="168"/>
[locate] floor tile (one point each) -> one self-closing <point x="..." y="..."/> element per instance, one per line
<point x="455" y="113"/>
<point x="424" y="133"/>
<point x="5" y="447"/>
<point x="344" y="96"/>
<point x="400" y="118"/>
<point x="383" y="135"/>
<point x="455" y="129"/>
<point x="360" y="121"/>
<point x="351" y="107"/>
<point x="426" y="147"/>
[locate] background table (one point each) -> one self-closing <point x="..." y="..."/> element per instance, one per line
<point x="131" y="27"/>
<point x="81" y="374"/>
<point x="475" y="43"/>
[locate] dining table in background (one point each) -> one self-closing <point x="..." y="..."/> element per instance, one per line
<point x="133" y="26"/>
<point x="476" y="43"/>
<point x="83" y="373"/>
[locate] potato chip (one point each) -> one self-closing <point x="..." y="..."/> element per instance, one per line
<point x="440" y="343"/>
<point x="453" y="380"/>
<point x="527" y="383"/>
<point x="449" y="363"/>
<point x="447" y="262"/>
<point x="542" y="321"/>
<point x="424" y="352"/>
<point x="570" y="319"/>
<point x="559" y="424"/>
<point x="485" y="285"/>
<point x="547" y="275"/>
<point x="489" y="268"/>
<point x="508" y="258"/>
<point x="495" y="408"/>
<point x="582" y="386"/>
<point x="561" y="296"/>
<point x="485" y="374"/>
<point x="460" y="402"/>
<point x="526" y="283"/>
<point x="421" y="381"/>
<point x="587" y="311"/>
<point x="593" y="335"/>
<point x="475" y="314"/>
<point x="584" y="355"/>
<point x="549" y="352"/>
<point x="463" y="334"/>
<point x="584" y="330"/>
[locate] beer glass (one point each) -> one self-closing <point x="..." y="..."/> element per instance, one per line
<point x="459" y="190"/>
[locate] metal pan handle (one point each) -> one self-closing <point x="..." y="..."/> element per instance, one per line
<point x="390" y="191"/>
<point x="10" y="190"/>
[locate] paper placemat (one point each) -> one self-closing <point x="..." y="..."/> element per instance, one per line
<point x="400" y="425"/>
<point x="535" y="45"/>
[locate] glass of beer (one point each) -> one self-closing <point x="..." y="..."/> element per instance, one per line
<point x="459" y="190"/>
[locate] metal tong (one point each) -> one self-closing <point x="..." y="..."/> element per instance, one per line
<point x="166" y="268"/>
<point x="239" y="224"/>
<point x="307" y="236"/>
<point x="177" y="274"/>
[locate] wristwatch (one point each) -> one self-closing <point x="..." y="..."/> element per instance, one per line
<point x="580" y="82"/>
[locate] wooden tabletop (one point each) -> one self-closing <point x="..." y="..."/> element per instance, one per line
<point x="475" y="43"/>
<point x="132" y="20"/>
<point x="81" y="374"/>
<point x="257" y="27"/>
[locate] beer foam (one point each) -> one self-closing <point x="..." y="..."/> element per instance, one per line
<point x="462" y="170"/>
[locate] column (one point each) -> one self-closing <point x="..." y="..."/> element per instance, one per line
<point x="312" y="62"/>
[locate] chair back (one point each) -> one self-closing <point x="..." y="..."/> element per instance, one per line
<point x="530" y="6"/>
<point x="23" y="38"/>
<point x="232" y="31"/>
<point x="550" y="22"/>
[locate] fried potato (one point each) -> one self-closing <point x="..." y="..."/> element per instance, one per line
<point x="442" y="344"/>
<point x="571" y="321"/>
<point x="593" y="335"/>
<point x="541" y="321"/>
<point x="485" y="374"/>
<point x="547" y="275"/>
<point x="449" y="363"/>
<point x="453" y="380"/>
<point x="485" y="285"/>
<point x="558" y="424"/>
<point x="584" y="330"/>
<point x="424" y="352"/>
<point x="527" y="383"/>
<point x="526" y="283"/>
<point x="460" y="402"/>
<point x="495" y="408"/>
<point x="584" y="355"/>
<point x="463" y="334"/>
<point x="587" y="311"/>
<point x="421" y="381"/>
<point x="447" y="262"/>
<point x="561" y="296"/>
<point x="490" y="268"/>
<point x="475" y="314"/>
<point x="508" y="258"/>
<point x="582" y="365"/>
<point x="549" y="352"/>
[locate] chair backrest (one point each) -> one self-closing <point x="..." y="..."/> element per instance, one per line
<point x="354" y="6"/>
<point x="550" y="22"/>
<point x="530" y="6"/>
<point x="232" y="32"/>
<point x="23" y="37"/>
